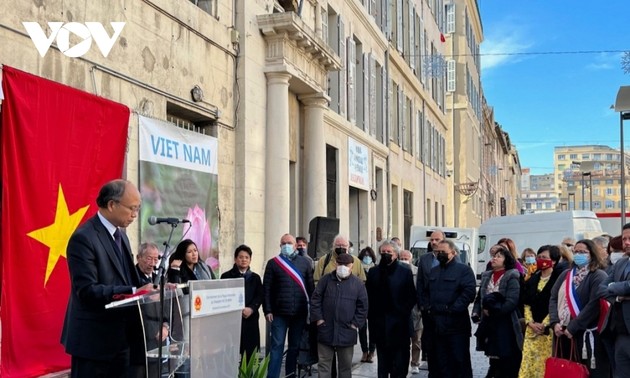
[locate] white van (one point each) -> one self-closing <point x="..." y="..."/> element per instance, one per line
<point x="535" y="230"/>
<point x="466" y="240"/>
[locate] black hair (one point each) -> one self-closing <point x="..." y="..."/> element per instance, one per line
<point x="367" y="251"/>
<point x="242" y="247"/>
<point x="554" y="252"/>
<point x="180" y="251"/>
<point x="510" y="261"/>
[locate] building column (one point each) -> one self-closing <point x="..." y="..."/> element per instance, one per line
<point x="314" y="157"/>
<point x="277" y="193"/>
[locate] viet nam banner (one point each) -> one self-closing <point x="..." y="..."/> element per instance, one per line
<point x="59" y="146"/>
<point x="179" y="179"/>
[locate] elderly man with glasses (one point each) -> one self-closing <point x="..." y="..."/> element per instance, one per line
<point x="327" y="264"/>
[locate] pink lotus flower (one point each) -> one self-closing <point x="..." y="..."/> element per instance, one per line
<point x="198" y="230"/>
<point x="214" y="264"/>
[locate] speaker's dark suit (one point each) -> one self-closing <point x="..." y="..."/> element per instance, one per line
<point x="96" y="274"/>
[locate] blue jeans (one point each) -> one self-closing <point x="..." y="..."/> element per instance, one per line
<point x="279" y="326"/>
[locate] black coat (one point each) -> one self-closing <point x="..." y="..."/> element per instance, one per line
<point x="284" y="296"/>
<point x="499" y="333"/>
<point x="342" y="304"/>
<point x="254" y="296"/>
<point x="451" y="289"/>
<point x="392" y="295"/>
<point x="185" y="274"/>
<point x="538" y="301"/>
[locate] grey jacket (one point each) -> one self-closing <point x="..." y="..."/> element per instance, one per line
<point x="588" y="295"/>
<point x="509" y="288"/>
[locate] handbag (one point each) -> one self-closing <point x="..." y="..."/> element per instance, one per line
<point x="556" y="367"/>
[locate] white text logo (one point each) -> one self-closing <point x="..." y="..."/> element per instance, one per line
<point x="86" y="32"/>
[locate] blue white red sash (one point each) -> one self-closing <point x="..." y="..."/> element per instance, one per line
<point x="571" y="294"/>
<point x="293" y="272"/>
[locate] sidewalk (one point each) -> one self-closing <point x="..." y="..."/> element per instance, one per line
<point x="369" y="370"/>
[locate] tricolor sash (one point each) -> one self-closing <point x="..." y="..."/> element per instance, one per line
<point x="293" y="272"/>
<point x="571" y="294"/>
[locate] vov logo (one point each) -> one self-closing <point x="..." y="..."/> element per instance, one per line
<point x="86" y="32"/>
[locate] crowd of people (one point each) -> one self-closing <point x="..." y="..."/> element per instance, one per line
<point x="570" y="300"/>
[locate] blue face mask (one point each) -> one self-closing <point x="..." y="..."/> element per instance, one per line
<point x="288" y="251"/>
<point x="367" y="260"/>
<point x="580" y="259"/>
<point x="530" y="260"/>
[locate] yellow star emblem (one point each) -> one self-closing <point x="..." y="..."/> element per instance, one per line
<point x="56" y="235"/>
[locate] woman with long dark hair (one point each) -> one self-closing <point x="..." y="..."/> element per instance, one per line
<point x="185" y="265"/>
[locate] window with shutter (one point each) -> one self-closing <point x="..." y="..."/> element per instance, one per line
<point x="451" y="75"/>
<point x="352" y="73"/>
<point x="399" y="25"/>
<point x="372" y="106"/>
<point x="400" y="115"/>
<point x="450" y="18"/>
<point x="365" y="96"/>
<point x="342" y="73"/>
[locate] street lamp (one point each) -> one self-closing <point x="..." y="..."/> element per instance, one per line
<point x="590" y="189"/>
<point x="572" y="195"/>
<point x="622" y="105"/>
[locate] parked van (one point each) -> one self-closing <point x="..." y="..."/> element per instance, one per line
<point x="611" y="222"/>
<point x="535" y="230"/>
<point x="466" y="240"/>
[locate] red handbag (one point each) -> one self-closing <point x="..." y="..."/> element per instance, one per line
<point x="556" y="367"/>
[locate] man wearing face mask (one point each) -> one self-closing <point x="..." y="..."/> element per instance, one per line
<point x="444" y="301"/>
<point x="339" y="308"/>
<point x="328" y="263"/>
<point x="302" y="247"/>
<point x="391" y="295"/>
<point x="287" y="284"/>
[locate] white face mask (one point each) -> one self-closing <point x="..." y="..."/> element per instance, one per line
<point x="405" y="261"/>
<point x="343" y="271"/>
<point x="615" y="256"/>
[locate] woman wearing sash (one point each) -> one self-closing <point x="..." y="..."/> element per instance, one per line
<point x="574" y="310"/>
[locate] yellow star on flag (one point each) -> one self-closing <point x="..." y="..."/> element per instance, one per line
<point x="56" y="235"/>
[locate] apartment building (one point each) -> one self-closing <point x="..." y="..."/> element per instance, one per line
<point x="588" y="177"/>
<point x="539" y="192"/>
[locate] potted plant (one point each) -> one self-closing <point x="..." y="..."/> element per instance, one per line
<point x="253" y="367"/>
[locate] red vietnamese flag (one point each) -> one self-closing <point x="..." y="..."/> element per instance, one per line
<point x="59" y="146"/>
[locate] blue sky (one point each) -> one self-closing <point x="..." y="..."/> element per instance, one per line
<point x="547" y="100"/>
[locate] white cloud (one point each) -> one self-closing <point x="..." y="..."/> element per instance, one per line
<point x="605" y="61"/>
<point x="503" y="46"/>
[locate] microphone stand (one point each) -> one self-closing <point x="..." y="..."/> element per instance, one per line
<point x="161" y="281"/>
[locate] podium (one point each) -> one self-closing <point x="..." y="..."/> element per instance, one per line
<point x="204" y="323"/>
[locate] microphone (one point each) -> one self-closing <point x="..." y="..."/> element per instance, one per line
<point x="154" y="220"/>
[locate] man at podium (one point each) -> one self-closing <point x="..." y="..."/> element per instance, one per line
<point x="101" y="266"/>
